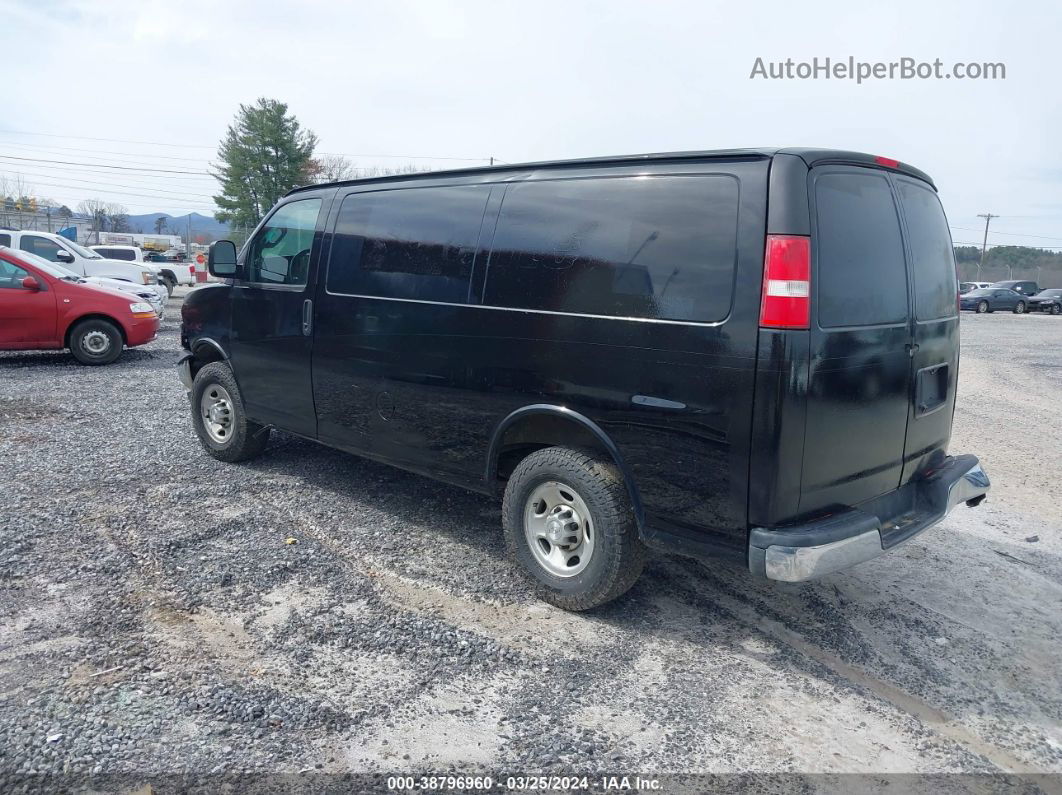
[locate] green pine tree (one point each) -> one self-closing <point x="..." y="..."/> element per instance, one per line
<point x="265" y="153"/>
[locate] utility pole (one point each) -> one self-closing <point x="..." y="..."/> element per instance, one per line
<point x="984" y="244"/>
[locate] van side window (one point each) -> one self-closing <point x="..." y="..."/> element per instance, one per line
<point x="280" y="252"/>
<point x="932" y="255"/>
<point x="647" y="247"/>
<point x="861" y="278"/>
<point x="413" y="243"/>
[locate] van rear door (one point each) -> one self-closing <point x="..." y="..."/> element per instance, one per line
<point x="859" y="379"/>
<point x="935" y="326"/>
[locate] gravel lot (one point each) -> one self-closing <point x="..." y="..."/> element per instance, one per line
<point x="154" y="620"/>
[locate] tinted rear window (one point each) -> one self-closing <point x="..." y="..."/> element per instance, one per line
<point x="648" y="247"/>
<point x="416" y="243"/>
<point x="861" y="272"/>
<point x="932" y="255"/>
<point x="116" y="253"/>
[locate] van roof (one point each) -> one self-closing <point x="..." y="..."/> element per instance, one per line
<point x="811" y="156"/>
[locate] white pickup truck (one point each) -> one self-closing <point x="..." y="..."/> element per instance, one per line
<point x="170" y="273"/>
<point x="82" y="261"/>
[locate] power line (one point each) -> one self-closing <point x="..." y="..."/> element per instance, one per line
<point x="1009" y="234"/>
<point x="108" y="140"/>
<point x="119" y="185"/>
<point x="53" y="149"/>
<point x="100" y="165"/>
<point x="174" y="199"/>
<point x="89" y="169"/>
<point x="214" y="146"/>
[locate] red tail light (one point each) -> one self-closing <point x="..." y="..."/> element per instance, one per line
<point x="786" y="282"/>
<point x="888" y="162"/>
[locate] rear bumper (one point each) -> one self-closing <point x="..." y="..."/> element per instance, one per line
<point x="853" y="535"/>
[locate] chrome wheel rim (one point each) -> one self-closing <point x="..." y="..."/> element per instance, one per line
<point x="95" y="343"/>
<point x="215" y="407"/>
<point x="1020" y="309"/>
<point x="558" y="529"/>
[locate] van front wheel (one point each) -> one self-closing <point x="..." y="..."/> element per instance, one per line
<point x="569" y="523"/>
<point x="219" y="417"/>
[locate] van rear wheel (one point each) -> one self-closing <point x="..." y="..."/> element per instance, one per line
<point x="569" y="523"/>
<point x="219" y="417"/>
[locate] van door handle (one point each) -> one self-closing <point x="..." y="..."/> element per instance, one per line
<point x="307" y="317"/>
<point x="911" y="348"/>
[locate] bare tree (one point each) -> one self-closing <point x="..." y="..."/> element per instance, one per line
<point x="335" y="168"/>
<point x="96" y="209"/>
<point x="330" y="168"/>
<point x="118" y="218"/>
<point x="19" y="199"/>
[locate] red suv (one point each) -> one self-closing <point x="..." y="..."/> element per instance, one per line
<point x="44" y="307"/>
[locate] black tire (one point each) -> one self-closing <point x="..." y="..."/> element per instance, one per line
<point x="1019" y="308"/>
<point x="1056" y="309"/>
<point x="242" y="439"/>
<point x="96" y="341"/>
<point x="170" y="283"/>
<point x="982" y="307"/>
<point x="618" y="555"/>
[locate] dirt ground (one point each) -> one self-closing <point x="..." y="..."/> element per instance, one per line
<point x="154" y="619"/>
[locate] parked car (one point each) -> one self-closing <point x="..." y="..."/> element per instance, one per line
<point x="990" y="299"/>
<point x="169" y="273"/>
<point x="141" y="291"/>
<point x="42" y="307"/>
<point x="965" y="287"/>
<point x="1047" y="301"/>
<point x="1020" y="286"/>
<point x="84" y="262"/>
<point x="652" y="351"/>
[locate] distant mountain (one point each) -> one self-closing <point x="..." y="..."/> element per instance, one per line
<point x="204" y="225"/>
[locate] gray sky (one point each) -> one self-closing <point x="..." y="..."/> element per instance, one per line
<point x="531" y="81"/>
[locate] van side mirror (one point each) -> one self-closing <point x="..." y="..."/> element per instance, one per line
<point x="29" y="283"/>
<point x="221" y="261"/>
<point x="62" y="255"/>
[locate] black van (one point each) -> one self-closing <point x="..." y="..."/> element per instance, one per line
<point x="745" y="354"/>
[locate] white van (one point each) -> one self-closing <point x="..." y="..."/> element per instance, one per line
<point x="56" y="248"/>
